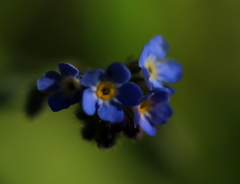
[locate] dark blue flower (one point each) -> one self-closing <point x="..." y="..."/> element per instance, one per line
<point x="153" y="110"/>
<point x="108" y="91"/>
<point x="156" y="69"/>
<point x="66" y="86"/>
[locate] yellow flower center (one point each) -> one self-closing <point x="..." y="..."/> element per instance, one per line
<point x="106" y="90"/>
<point x="143" y="107"/>
<point x="151" y="66"/>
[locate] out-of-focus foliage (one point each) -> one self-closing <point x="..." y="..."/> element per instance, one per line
<point x="201" y="142"/>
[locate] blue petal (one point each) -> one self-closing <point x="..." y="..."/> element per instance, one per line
<point x="58" y="102"/>
<point x="146" y="75"/>
<point x="91" y="77"/>
<point x="147" y="97"/>
<point x="157" y="46"/>
<point x="111" y="112"/>
<point x="118" y="73"/>
<point x="170" y="71"/>
<point x="77" y="97"/>
<point x="144" y="55"/>
<point x="160" y="114"/>
<point x="129" y="94"/>
<point x="149" y="51"/>
<point x="160" y="95"/>
<point x="136" y="116"/>
<point x="156" y="83"/>
<point x="159" y="42"/>
<point x="152" y="50"/>
<point x="79" y="93"/>
<point x="172" y="90"/>
<point x="89" y="102"/>
<point x="147" y="126"/>
<point x="49" y="82"/>
<point x="67" y="69"/>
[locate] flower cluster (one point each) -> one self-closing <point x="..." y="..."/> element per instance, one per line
<point x="125" y="99"/>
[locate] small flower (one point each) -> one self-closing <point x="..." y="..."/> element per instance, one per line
<point x="156" y="69"/>
<point x="108" y="91"/>
<point x="153" y="110"/>
<point x="66" y="86"/>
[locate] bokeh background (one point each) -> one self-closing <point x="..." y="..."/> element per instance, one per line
<point x="200" y="144"/>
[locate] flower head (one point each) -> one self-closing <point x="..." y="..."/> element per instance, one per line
<point x="156" y="69"/>
<point x="66" y="86"/>
<point x="153" y="110"/>
<point x="107" y="91"/>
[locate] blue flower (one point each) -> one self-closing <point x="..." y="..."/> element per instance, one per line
<point x="108" y="91"/>
<point x="153" y="110"/>
<point x="66" y="86"/>
<point x="156" y="69"/>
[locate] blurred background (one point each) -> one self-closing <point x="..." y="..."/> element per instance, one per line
<point x="200" y="144"/>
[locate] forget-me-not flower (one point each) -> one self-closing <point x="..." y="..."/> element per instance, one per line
<point x="66" y="86"/>
<point x="156" y="69"/>
<point x="107" y="91"/>
<point x="153" y="110"/>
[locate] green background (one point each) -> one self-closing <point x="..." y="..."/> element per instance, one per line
<point x="200" y="144"/>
